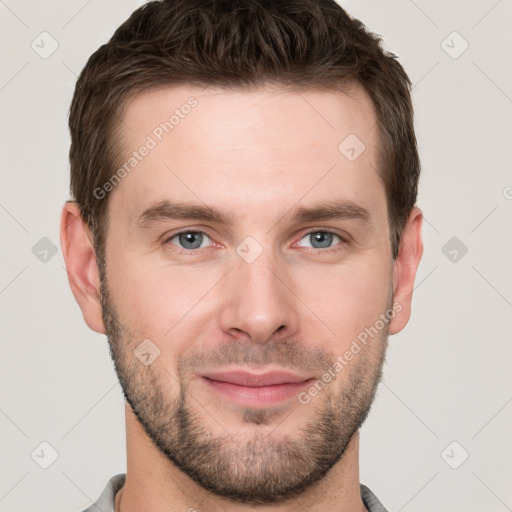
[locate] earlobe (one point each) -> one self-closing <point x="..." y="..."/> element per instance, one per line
<point x="81" y="265"/>
<point x="404" y="271"/>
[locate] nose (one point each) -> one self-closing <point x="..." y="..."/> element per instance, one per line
<point x="259" y="304"/>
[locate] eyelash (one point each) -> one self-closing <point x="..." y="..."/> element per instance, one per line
<point x="192" y="252"/>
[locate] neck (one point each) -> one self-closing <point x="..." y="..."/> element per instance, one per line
<point x="154" y="484"/>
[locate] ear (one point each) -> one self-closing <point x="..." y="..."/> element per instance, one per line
<point x="83" y="275"/>
<point x="404" y="270"/>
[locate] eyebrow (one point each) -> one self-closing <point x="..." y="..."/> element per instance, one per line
<point x="331" y="210"/>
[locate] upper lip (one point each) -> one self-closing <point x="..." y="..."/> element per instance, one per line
<point x="243" y="378"/>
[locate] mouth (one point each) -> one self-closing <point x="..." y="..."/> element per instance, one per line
<point x="256" y="390"/>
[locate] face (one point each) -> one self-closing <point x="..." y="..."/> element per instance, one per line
<point x="247" y="238"/>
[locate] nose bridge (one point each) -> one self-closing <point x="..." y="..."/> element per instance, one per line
<point x="258" y="301"/>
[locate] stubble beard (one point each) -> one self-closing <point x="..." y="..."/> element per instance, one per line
<point x="261" y="468"/>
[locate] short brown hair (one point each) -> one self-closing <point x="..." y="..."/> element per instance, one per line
<point x="237" y="43"/>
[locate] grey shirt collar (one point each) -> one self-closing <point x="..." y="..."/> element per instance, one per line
<point x="105" y="503"/>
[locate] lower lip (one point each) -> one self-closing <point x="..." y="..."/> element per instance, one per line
<point x="257" y="396"/>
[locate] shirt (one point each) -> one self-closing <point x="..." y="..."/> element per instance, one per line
<point x="105" y="502"/>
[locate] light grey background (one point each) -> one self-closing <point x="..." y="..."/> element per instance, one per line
<point x="448" y="374"/>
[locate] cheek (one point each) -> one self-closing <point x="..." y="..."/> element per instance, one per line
<point x="157" y="301"/>
<point x="174" y="303"/>
<point x="348" y="298"/>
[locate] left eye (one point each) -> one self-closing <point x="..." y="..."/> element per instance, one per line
<point x="321" y="239"/>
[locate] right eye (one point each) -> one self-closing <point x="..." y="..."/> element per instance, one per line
<point x="188" y="242"/>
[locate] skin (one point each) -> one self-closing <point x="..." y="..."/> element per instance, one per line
<point x="257" y="154"/>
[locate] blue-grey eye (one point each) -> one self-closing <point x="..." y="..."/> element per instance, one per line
<point x="189" y="239"/>
<point x="321" y="239"/>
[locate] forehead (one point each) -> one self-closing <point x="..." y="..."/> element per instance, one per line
<point x="241" y="147"/>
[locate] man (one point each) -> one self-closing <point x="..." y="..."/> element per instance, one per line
<point x="244" y="230"/>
